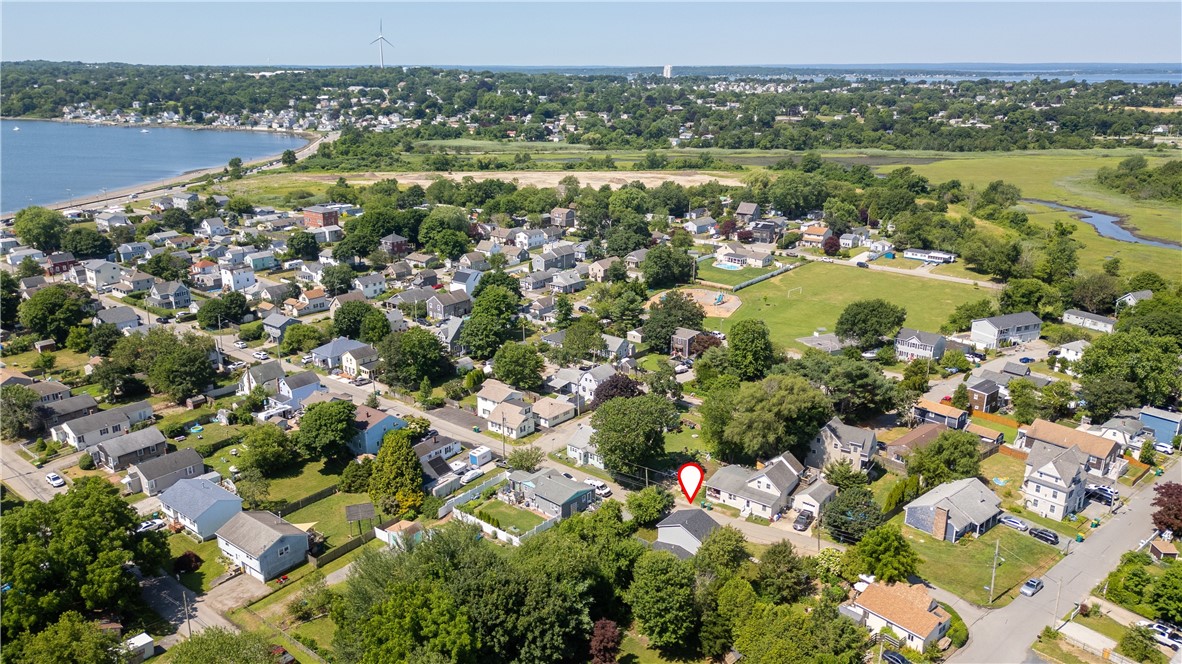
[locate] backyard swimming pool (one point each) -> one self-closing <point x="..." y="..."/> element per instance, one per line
<point x="728" y="266"/>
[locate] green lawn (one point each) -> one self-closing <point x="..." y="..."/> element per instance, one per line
<point x="1103" y="624"/>
<point x="210" y="554"/>
<point x="292" y="484"/>
<point x="826" y="288"/>
<point x="635" y="650"/>
<point x="707" y="272"/>
<point x="65" y="359"/>
<point x="328" y="517"/>
<point x="883" y="485"/>
<point x="561" y="458"/>
<point x="687" y="438"/>
<point x="964" y="568"/>
<point x="1012" y="470"/>
<point x="1010" y="432"/>
<point x="512" y="519"/>
<point x="1068" y="177"/>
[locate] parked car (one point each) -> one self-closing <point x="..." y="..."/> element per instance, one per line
<point x="1026" y="360"/>
<point x="471" y="476"/>
<point x="1031" y="587"/>
<point x="802" y="521"/>
<point x="360" y="380"/>
<point x="590" y="481"/>
<point x="1054" y="352"/>
<point x="1163" y="447"/>
<point x="892" y="657"/>
<point x="236" y="365"/>
<point x="603" y="491"/>
<point x="568" y="476"/>
<point x="681" y="368"/>
<point x="869" y="355"/>
<point x="584" y="309"/>
<point x="1044" y="535"/>
<point x="149" y="525"/>
<point x="260" y="355"/>
<point x="305" y="359"/>
<point x="55" y="480"/>
<point x="163" y="320"/>
<point x="1112" y="491"/>
<point x="1014" y="522"/>
<point x="240" y="344"/>
<point x="862" y="264"/>
<point x="1101" y="497"/>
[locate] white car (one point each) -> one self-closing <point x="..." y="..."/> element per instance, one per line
<point x="1162" y="447"/>
<point x="55" y="480"/>
<point x="598" y="484"/>
<point x="240" y="344"/>
<point x="150" y="525"/>
<point x="236" y="365"/>
<point x="1014" y="522"/>
<point x="260" y="355"/>
<point x="681" y="368"/>
<point x="603" y="491"/>
<point x="471" y="476"/>
<point x="305" y="359"/>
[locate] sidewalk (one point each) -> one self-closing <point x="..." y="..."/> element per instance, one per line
<point x="1117" y="613"/>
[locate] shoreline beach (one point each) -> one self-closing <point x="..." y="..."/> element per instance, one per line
<point x="153" y="188"/>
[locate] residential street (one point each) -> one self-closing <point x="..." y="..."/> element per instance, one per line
<point x="1035" y="349"/>
<point x="1005" y="635"/>
<point x="28" y="481"/>
<point x="170" y="599"/>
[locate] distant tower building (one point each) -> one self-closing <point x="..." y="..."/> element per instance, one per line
<point x="668" y="71"/>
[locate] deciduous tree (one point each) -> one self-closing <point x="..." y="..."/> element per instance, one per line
<point x="397" y="482"/>
<point x="1168" y="502"/>
<point x="519" y="365"/>
<point x="661" y="596"/>
<point x="869" y="321"/>
<point x="886" y="554"/>
<point x="751" y="351"/>
<point x="782" y="575"/>
<point x="722" y="552"/>
<point x="53" y="310"/>
<point x="336" y="279"/>
<point x="952" y="456"/>
<point x="347" y="320"/>
<point x="19" y="404"/>
<point x="526" y="458"/>
<point x="851" y="515"/>
<point x="617" y="386"/>
<point x="675" y="309"/>
<point x="631" y="431"/>
<point x="326" y="429"/>
<point x="71" y="639"/>
<point x="40" y="228"/>
<point x="650" y="504"/>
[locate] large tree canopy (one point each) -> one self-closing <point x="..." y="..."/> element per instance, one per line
<point x="869" y="321"/>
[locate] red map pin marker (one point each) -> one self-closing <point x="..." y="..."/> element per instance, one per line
<point x="690" y="477"/>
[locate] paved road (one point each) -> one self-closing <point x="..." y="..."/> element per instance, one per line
<point x="1005" y="634"/>
<point x="1035" y="349"/>
<point x="181" y="607"/>
<point x="27" y="480"/>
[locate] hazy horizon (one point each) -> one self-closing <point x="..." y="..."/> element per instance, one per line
<point x="594" y="34"/>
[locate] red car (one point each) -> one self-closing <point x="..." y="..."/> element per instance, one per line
<point x="947" y="399"/>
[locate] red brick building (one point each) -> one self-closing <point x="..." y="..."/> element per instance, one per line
<point x="319" y="216"/>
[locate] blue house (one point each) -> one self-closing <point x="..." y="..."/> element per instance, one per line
<point x="1164" y="424"/>
<point x="200" y="506"/>
<point x="372" y="425"/>
<point x="939" y="413"/>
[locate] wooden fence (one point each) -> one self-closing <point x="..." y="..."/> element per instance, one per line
<point x="354" y="543"/>
<point x="291" y="506"/>
<point x="1006" y="450"/>
<point x="998" y="419"/>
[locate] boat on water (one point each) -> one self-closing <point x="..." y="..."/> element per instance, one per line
<point x="143" y="131"/>
<point x="16" y="128"/>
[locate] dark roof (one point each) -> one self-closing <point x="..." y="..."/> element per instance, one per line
<point x="672" y="548"/>
<point x="927" y="338"/>
<point x="47" y="388"/>
<point x="301" y="379"/>
<point x="984" y="386"/>
<point x="1006" y="321"/>
<point x="68" y="405"/>
<point x="116" y="315"/>
<point x="695" y="521"/>
<point x="169" y="463"/>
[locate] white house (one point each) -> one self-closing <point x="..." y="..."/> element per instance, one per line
<point x="492" y="393"/>
<point x="550" y="412"/>
<point x="513" y="418"/>
<point x="529" y="239"/>
<point x="370" y="285"/>
<point x="238" y="278"/>
<point x="1053" y="485"/>
<point x="581" y="450"/>
<point x="212" y="227"/>
<point x="593" y="378"/>
<point x="86" y="432"/>
<point x="1089" y="320"/>
<point x="929" y="255"/>
<point x="997" y="331"/>
<point x="101" y="274"/>
<point x="762" y="492"/>
<point x="905" y="609"/>
<point x="682" y="532"/>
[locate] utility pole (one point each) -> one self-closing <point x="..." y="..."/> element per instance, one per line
<point x="1058" y="592"/>
<point x="503" y="454"/>
<point x="185" y="600"/>
<point x="993" y="577"/>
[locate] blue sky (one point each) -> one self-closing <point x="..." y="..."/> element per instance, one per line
<point x="591" y="33"/>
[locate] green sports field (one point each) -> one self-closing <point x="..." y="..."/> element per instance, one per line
<point x="826" y="288"/>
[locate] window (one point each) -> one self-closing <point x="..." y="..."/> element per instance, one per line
<point x="1054" y="494"/>
<point x="117" y="428"/>
<point x="104" y="431"/>
<point x="1052" y="509"/>
<point x="284" y="551"/>
<point x="139" y="452"/>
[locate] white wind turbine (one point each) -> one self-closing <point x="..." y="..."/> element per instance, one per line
<point x="380" y="41"/>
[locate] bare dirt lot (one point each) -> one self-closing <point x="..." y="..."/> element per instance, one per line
<point x="536" y="178"/>
<point x="707" y="298"/>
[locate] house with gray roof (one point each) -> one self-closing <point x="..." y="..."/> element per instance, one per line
<point x="538" y="280"/>
<point x="275" y="324"/>
<point x="154" y="475"/>
<point x="169" y="295"/>
<point x="263" y="544"/>
<point x="1089" y="321"/>
<point x="265" y="375"/>
<point x="916" y="345"/>
<point x="1129" y="299"/>
<point x="682" y="532"/>
<point x="118" y="453"/>
<point x="294" y="389"/>
<point x="548" y="492"/>
<point x="123" y="318"/>
<point x="593" y="378"/>
<point x="330" y="354"/>
<point x="1054" y="481"/>
<point x="837" y="441"/>
<point x="1005" y="330"/>
<point x="49" y="391"/>
<point x="86" y="432"/>
<point x="200" y="506"/>
<point x="370" y="285"/>
<point x="953" y="509"/>
<point x="57" y="412"/>
<point x="762" y="492"/>
<point x="442" y="305"/>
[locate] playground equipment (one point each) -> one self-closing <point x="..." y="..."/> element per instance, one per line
<point x="719" y="300"/>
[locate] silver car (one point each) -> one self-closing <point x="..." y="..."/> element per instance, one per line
<point x="1014" y="522"/>
<point x="1031" y="587"/>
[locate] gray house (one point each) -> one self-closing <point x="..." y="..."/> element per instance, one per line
<point x="952" y="509"/>
<point x="547" y="491"/>
<point x="914" y="344"/>
<point x="54" y="413"/>
<point x="119" y="453"/>
<point x="156" y="475"/>
<point x="682" y="533"/>
<point x="122" y="318"/>
<point x="276" y="324"/>
<point x="997" y="331"/>
<point x="170" y="295"/>
<point x="263" y="544"/>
